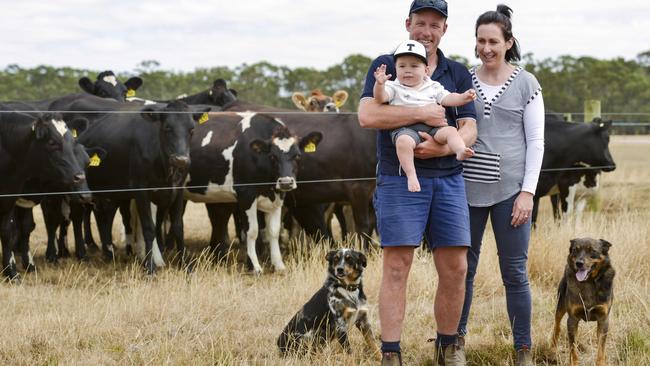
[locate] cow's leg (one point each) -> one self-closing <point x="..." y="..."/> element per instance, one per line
<point x="125" y="212"/>
<point x="8" y="238"/>
<point x="361" y="210"/>
<point x="250" y="230"/>
<point x="89" y="241"/>
<point x="312" y="219"/>
<point x="76" y="216"/>
<point x="25" y="225"/>
<point x="273" y="225"/>
<point x="535" y="209"/>
<point x="177" y="233"/>
<point x="219" y="214"/>
<point x="555" y="204"/>
<point x="105" y="213"/>
<point x="51" y="217"/>
<point x="64" y="222"/>
<point x="143" y="204"/>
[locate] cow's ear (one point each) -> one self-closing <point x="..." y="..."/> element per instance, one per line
<point x="101" y="153"/>
<point x="133" y="83"/>
<point x="86" y="85"/>
<point x="201" y="115"/>
<point x="78" y="125"/>
<point x="309" y="142"/>
<point x="260" y="146"/>
<point x="605" y="245"/>
<point x="300" y="101"/>
<point x="604" y="125"/>
<point x="150" y="114"/>
<point x="40" y="129"/>
<point x="339" y="98"/>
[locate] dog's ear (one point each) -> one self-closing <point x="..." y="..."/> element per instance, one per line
<point x="573" y="242"/>
<point x="330" y="256"/>
<point x="363" y="260"/>
<point x="605" y="245"/>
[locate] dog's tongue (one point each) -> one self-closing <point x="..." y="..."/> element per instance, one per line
<point x="582" y="275"/>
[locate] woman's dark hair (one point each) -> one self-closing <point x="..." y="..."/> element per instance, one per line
<point x="501" y="17"/>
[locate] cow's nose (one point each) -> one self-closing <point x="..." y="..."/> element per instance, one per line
<point x="331" y="107"/>
<point x="180" y="161"/>
<point x="79" y="178"/>
<point x="580" y="264"/>
<point x="286" y="183"/>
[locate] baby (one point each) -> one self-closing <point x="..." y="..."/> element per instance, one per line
<point x="415" y="88"/>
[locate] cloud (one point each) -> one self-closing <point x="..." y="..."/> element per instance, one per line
<point x="118" y="34"/>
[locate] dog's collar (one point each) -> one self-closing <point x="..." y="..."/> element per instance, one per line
<point x="335" y="282"/>
<point x="350" y="287"/>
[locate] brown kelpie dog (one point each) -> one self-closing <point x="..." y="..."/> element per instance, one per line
<point x="586" y="293"/>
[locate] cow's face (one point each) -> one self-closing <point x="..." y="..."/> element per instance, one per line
<point x="176" y="124"/>
<point x="598" y="146"/>
<point x="107" y="86"/>
<point x="220" y="94"/>
<point x="51" y="155"/>
<point x="284" y="151"/>
<point x="319" y="102"/>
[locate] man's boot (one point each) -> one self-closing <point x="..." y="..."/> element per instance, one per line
<point x="391" y="359"/>
<point x="452" y="355"/>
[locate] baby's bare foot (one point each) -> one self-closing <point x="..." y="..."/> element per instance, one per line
<point x="413" y="183"/>
<point x="464" y="154"/>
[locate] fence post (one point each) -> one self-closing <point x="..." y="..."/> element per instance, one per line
<point x="568" y="117"/>
<point x="592" y="196"/>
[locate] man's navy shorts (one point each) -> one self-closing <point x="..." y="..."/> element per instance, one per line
<point x="439" y="212"/>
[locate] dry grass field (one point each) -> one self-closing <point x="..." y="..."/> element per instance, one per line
<point x="100" y="313"/>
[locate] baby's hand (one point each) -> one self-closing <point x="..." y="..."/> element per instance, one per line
<point x="469" y="95"/>
<point x="380" y="75"/>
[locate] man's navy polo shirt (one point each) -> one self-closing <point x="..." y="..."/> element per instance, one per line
<point x="456" y="79"/>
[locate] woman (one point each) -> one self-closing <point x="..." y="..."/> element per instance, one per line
<point x="510" y="124"/>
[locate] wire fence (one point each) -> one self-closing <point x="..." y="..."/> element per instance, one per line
<point x="338" y="180"/>
<point x="255" y="184"/>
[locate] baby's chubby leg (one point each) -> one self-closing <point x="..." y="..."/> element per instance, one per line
<point x="405" y="145"/>
<point x="449" y="135"/>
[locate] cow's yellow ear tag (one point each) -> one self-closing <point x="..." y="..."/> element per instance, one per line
<point x="74" y="133"/>
<point x="95" y="160"/>
<point x="130" y="93"/>
<point x="310" y="147"/>
<point x="204" y="118"/>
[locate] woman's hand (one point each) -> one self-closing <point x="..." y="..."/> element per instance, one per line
<point x="522" y="209"/>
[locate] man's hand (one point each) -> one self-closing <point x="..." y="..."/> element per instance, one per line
<point x="380" y="75"/>
<point x="429" y="148"/>
<point x="433" y="115"/>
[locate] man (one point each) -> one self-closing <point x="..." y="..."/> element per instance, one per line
<point x="439" y="212"/>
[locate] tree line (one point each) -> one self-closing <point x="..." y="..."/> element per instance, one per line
<point x="622" y="86"/>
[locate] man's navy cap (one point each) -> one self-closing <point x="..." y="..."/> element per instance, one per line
<point x="438" y="5"/>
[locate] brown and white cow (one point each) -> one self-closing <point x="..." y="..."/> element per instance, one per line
<point x="319" y="102"/>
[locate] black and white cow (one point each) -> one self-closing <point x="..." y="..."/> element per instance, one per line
<point x="348" y="152"/>
<point x="108" y="86"/>
<point x="245" y="162"/>
<point x="31" y="148"/>
<point x="218" y="95"/>
<point x="569" y="145"/>
<point x="145" y="150"/>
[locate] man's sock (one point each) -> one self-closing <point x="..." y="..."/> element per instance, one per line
<point x="390" y="347"/>
<point x="443" y="340"/>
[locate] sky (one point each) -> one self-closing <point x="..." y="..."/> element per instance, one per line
<point x="190" y="34"/>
